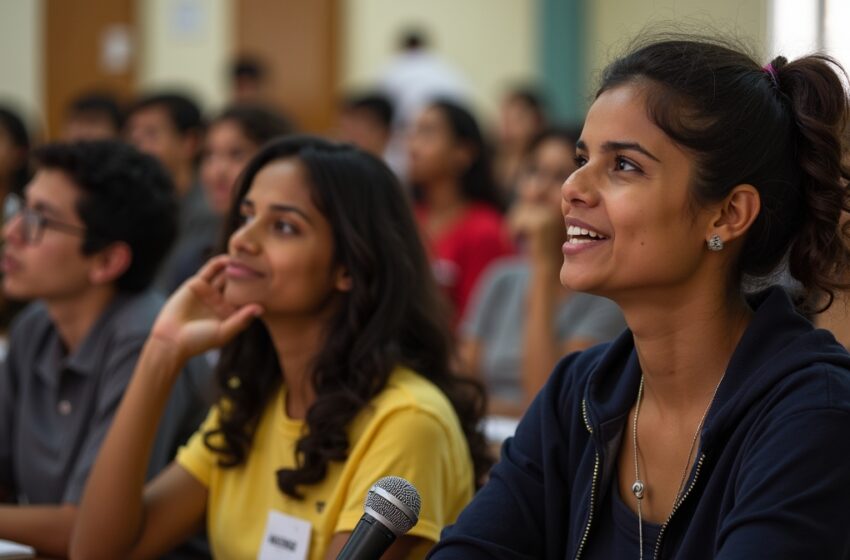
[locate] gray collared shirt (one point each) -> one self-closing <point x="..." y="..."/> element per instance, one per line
<point x="55" y="408"/>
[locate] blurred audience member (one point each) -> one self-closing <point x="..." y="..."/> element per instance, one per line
<point x="412" y="80"/>
<point x="234" y="136"/>
<point x="521" y="117"/>
<point x="93" y="116"/>
<point x="366" y="121"/>
<point x="169" y="126"/>
<point x="248" y="79"/>
<point x="14" y="174"/>
<point x="14" y="152"/>
<point x="458" y="203"/>
<point x="84" y="241"/>
<point x="521" y="320"/>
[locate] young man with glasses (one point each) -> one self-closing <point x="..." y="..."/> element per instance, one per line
<point x="84" y="242"/>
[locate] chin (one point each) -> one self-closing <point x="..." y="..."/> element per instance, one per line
<point x="578" y="282"/>
<point x="13" y="291"/>
<point x="239" y="296"/>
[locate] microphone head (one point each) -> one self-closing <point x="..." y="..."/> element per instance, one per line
<point x="395" y="502"/>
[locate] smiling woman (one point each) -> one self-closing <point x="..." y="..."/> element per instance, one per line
<point x="334" y="372"/>
<point x="711" y="428"/>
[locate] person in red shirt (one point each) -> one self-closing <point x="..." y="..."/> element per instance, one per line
<point x="458" y="206"/>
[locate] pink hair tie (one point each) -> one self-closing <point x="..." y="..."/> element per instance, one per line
<point x="771" y="71"/>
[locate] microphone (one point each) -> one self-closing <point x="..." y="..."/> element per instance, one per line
<point x="391" y="510"/>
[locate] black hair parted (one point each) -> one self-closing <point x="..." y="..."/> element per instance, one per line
<point x="376" y="104"/>
<point x="126" y="197"/>
<point x="182" y="110"/>
<point x="258" y="123"/>
<point x="393" y="316"/>
<point x="775" y="127"/>
<point x="100" y="104"/>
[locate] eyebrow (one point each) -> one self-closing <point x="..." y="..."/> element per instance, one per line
<point x="615" y="146"/>
<point x="286" y="208"/>
<point x="46" y="208"/>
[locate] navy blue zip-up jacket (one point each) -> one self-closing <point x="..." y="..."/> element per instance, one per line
<point x="772" y="476"/>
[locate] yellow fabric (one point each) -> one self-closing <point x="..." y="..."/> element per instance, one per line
<point x="409" y="430"/>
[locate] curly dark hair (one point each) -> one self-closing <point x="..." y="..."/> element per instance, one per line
<point x="393" y="316"/>
<point x="126" y="196"/>
<point x="777" y="127"/>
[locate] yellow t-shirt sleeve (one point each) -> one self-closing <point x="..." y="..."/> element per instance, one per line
<point x="415" y="445"/>
<point x="195" y="456"/>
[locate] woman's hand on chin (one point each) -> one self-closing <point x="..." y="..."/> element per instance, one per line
<point x="196" y="317"/>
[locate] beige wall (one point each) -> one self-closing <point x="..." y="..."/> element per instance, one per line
<point x="186" y="44"/>
<point x="21" y="49"/>
<point x="612" y="23"/>
<point x="492" y="42"/>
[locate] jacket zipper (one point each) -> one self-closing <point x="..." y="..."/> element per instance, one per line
<point x="592" y="485"/>
<point x="676" y="507"/>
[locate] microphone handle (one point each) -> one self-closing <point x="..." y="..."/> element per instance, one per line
<point x="369" y="540"/>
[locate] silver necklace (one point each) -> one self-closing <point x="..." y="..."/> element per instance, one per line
<point x="638" y="487"/>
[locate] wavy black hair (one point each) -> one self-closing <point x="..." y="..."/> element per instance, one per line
<point x="777" y="127"/>
<point x="257" y="122"/>
<point x="393" y="316"/>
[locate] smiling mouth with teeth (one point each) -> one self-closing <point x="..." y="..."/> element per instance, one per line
<point x="577" y="235"/>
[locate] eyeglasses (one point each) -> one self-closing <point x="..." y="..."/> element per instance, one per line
<point x="33" y="221"/>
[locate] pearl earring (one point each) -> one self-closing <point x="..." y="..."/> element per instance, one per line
<point x="715" y="243"/>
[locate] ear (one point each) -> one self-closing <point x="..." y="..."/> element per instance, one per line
<point x="110" y="263"/>
<point x="735" y="214"/>
<point x="343" y="281"/>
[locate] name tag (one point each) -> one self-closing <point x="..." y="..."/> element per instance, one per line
<point x="286" y="538"/>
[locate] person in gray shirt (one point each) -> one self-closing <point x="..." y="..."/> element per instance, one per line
<point x="521" y="320"/>
<point x="84" y="243"/>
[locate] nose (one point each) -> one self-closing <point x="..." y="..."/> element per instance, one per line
<point x="13" y="229"/>
<point x="245" y="239"/>
<point x="578" y="189"/>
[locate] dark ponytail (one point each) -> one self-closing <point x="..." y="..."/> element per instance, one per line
<point x="819" y="104"/>
<point x="776" y="127"/>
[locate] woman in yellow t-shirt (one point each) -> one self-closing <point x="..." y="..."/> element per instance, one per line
<point x="334" y="372"/>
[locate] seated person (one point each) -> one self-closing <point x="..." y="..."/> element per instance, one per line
<point x="83" y="242"/>
<point x="93" y="116"/>
<point x="712" y="428"/>
<point x="521" y="319"/>
<point x="14" y="175"/>
<point x="458" y="207"/>
<point x="335" y="371"/>
<point x="366" y="121"/>
<point x="169" y="126"/>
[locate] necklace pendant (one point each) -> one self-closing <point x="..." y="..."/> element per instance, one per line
<point x="638" y="488"/>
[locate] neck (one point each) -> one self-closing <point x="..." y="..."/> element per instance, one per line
<point x="297" y="343"/>
<point x="443" y="196"/>
<point x="183" y="179"/>
<point x="684" y="345"/>
<point x="74" y="317"/>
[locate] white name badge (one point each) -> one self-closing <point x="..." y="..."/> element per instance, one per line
<point x="286" y="538"/>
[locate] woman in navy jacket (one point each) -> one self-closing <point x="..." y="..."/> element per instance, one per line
<point x="716" y="426"/>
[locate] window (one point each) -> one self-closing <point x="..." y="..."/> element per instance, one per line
<point x="799" y="27"/>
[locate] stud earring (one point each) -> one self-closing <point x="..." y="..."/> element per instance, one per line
<point x="715" y="243"/>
